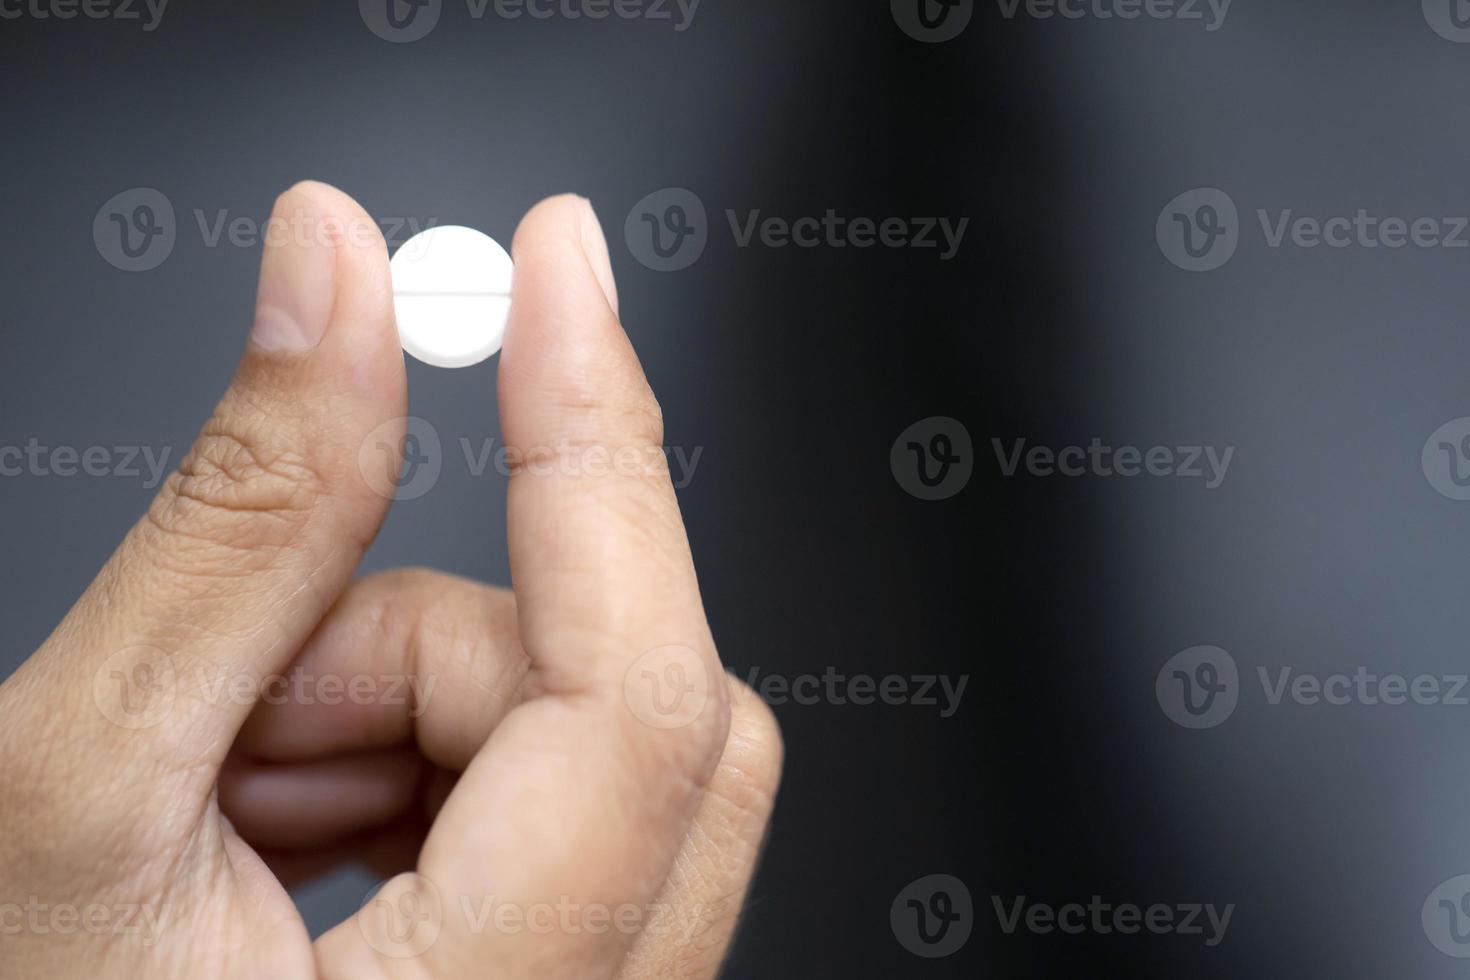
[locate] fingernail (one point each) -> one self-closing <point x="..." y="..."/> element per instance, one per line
<point x="297" y="275"/>
<point x="594" y="244"/>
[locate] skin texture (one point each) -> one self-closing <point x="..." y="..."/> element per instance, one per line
<point x="538" y="816"/>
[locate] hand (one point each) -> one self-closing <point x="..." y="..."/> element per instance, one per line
<point x="564" y="812"/>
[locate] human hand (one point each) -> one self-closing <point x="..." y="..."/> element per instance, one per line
<point x="560" y="819"/>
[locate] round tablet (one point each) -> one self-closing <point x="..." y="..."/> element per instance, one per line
<point x="451" y="293"/>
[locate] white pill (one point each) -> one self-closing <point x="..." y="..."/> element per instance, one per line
<point x="451" y="293"/>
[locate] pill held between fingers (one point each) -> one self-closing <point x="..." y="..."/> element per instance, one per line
<point x="451" y="294"/>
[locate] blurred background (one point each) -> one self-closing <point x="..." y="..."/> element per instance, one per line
<point x="1219" y="248"/>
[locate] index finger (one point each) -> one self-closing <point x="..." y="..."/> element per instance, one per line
<point x="599" y="556"/>
<point x="580" y="800"/>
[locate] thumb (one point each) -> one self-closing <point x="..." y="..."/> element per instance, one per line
<point x="263" y="524"/>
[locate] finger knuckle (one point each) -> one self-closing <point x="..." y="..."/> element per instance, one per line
<point x="465" y="636"/>
<point x="645" y="417"/>
<point x="696" y="747"/>
<point x="754" y="750"/>
<point x="240" y="486"/>
<point x="384" y="589"/>
<point x="625" y="413"/>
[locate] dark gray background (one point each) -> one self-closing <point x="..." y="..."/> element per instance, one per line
<point x="1326" y="549"/>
